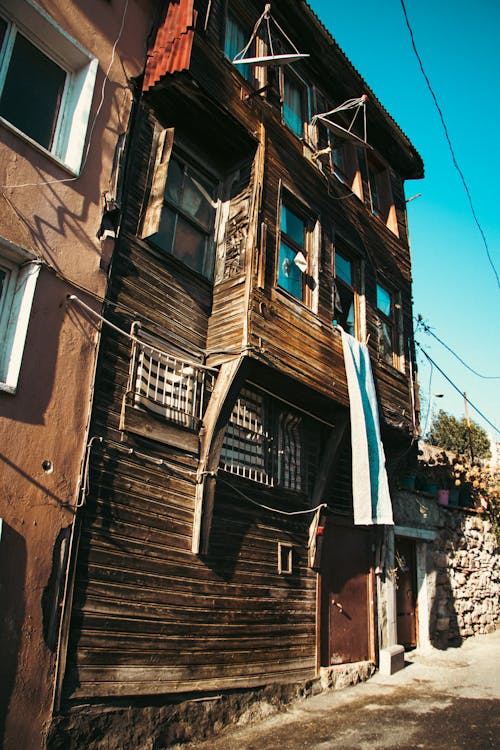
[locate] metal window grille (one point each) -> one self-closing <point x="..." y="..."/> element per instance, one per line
<point x="245" y="449"/>
<point x="290" y="467"/>
<point x="169" y="386"/>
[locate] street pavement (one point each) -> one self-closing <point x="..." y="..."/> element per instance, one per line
<point x="441" y="700"/>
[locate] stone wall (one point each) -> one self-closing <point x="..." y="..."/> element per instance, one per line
<point x="462" y="566"/>
<point x="466" y="559"/>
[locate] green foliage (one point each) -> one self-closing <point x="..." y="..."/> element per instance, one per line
<point x="452" y="434"/>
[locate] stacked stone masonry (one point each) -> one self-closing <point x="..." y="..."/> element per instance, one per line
<point x="462" y="566"/>
<point x="467" y="567"/>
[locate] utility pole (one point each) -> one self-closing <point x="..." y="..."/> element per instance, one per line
<point x="467" y="417"/>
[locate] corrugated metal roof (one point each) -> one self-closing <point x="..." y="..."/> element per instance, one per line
<point x="171" y="52"/>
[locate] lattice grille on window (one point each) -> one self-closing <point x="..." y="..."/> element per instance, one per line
<point x="169" y="386"/>
<point x="245" y="446"/>
<point x="290" y="468"/>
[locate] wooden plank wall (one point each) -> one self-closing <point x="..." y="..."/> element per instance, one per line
<point x="148" y="615"/>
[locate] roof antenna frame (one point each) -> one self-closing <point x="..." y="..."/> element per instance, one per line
<point x="340" y="131"/>
<point x="272" y="59"/>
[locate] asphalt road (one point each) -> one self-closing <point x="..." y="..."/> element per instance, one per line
<point x="442" y="700"/>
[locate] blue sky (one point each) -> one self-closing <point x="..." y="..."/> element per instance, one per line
<point x="455" y="289"/>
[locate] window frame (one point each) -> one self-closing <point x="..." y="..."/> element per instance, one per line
<point x="309" y="249"/>
<point x="353" y="288"/>
<point x="15" y="309"/>
<point x="80" y="67"/>
<point x="286" y="74"/>
<point x="246" y="71"/>
<point x="394" y="322"/>
<point x="376" y="188"/>
<point x="190" y="167"/>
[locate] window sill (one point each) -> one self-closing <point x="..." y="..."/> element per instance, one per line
<point x="144" y="424"/>
<point x="299" y="307"/>
<point x="41" y="149"/>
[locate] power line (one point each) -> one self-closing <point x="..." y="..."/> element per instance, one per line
<point x="454" y="159"/>
<point x="427" y="329"/>
<point x="459" y="390"/>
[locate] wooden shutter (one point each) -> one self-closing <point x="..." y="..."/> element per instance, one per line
<point x="164" y="141"/>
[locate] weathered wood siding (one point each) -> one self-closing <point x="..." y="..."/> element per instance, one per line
<point x="149" y="616"/>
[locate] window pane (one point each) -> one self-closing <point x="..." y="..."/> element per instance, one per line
<point x="385" y="342"/>
<point x="344" y="309"/>
<point x="292" y="107"/>
<point x="292" y="226"/>
<point x="32" y="93"/>
<point x="343" y="269"/>
<point x="3" y="29"/>
<point x="289" y="274"/>
<point x="290" y="452"/>
<point x="384" y="301"/>
<point x="175" y="178"/>
<point x="189" y="245"/>
<point x="164" y="237"/>
<point x="197" y="199"/>
<point x="338" y="153"/>
<point x="235" y="41"/>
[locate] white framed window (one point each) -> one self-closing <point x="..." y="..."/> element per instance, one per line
<point x="19" y="271"/>
<point x="46" y="82"/>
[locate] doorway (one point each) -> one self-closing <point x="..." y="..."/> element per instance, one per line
<point x="406" y="592"/>
<point x="346" y="621"/>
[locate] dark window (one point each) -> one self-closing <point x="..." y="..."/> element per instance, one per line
<point x="386" y="325"/>
<point x="32" y="92"/>
<point x="188" y="216"/>
<point x="345" y="293"/>
<point x="235" y="40"/>
<point x="3" y="30"/>
<point x="268" y="444"/>
<point x="293" y="253"/>
<point x="292" y="106"/>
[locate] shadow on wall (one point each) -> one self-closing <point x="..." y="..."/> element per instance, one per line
<point x="444" y="626"/>
<point x="12" y="585"/>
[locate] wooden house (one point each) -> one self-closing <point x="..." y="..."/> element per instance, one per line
<point x="252" y="231"/>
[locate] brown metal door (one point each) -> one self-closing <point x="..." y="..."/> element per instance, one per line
<point x="406" y="593"/>
<point x="345" y="595"/>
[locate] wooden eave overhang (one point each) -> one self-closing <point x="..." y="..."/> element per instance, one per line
<point x="383" y="131"/>
<point x="171" y="54"/>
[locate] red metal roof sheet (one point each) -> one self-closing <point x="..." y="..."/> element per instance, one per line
<point x="171" y="51"/>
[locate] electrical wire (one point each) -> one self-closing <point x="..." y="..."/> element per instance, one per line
<point x="131" y="337"/>
<point x="458" y="390"/>
<point x="429" y="401"/>
<point x="268" y="507"/>
<point x="427" y="329"/>
<point x="448" y="139"/>
<point x="94" y="121"/>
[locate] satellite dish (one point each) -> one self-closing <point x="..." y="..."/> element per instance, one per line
<point x="265" y="20"/>
<point x="270" y="59"/>
<point x="339" y="130"/>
